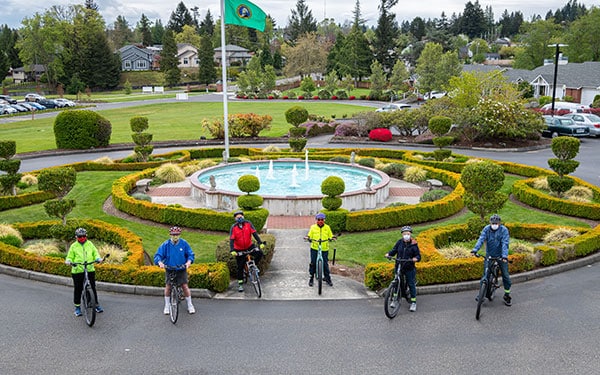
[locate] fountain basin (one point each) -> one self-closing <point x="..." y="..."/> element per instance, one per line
<point x="304" y="199"/>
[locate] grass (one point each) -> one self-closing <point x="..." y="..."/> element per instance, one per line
<point x="91" y="191"/>
<point x="170" y="121"/>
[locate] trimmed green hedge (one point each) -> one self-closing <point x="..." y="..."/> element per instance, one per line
<point x="21" y="200"/>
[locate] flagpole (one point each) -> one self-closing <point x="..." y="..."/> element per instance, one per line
<point x="224" y="80"/>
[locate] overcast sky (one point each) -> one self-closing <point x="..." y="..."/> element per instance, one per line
<point x="12" y="12"/>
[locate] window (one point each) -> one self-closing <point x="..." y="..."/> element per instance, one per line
<point x="141" y="64"/>
<point x="186" y="61"/>
<point x="127" y="64"/>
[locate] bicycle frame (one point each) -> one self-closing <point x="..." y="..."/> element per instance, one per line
<point x="251" y="271"/>
<point x="176" y="291"/>
<point x="319" y="267"/>
<point x="489" y="282"/>
<point x="88" y="299"/>
<point x="397" y="290"/>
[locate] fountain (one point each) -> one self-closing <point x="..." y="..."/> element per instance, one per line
<point x="301" y="196"/>
<point x="257" y="173"/>
<point x="306" y="167"/>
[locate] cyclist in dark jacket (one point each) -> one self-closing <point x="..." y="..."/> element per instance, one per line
<point x="496" y="238"/>
<point x="240" y="239"/>
<point x="407" y="249"/>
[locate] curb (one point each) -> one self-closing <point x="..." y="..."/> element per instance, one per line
<point x="205" y="293"/>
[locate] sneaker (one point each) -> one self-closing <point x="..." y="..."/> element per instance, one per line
<point x="191" y="309"/>
<point x="99" y="309"/>
<point x="240" y="288"/>
<point x="507" y="300"/>
<point x="166" y="310"/>
<point x="310" y="282"/>
<point x="329" y="282"/>
<point x="413" y="307"/>
<point x="77" y="311"/>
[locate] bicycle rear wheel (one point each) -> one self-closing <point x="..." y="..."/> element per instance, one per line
<point x="391" y="301"/>
<point x="256" y="281"/>
<point x="174" y="305"/>
<point x="320" y="275"/>
<point x="480" y="298"/>
<point x="88" y="303"/>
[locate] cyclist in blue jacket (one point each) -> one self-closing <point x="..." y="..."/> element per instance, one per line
<point x="407" y="248"/>
<point x="176" y="252"/>
<point x="496" y="238"/>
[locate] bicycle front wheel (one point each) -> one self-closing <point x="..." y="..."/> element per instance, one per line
<point x="174" y="306"/>
<point x="256" y="281"/>
<point x="480" y="298"/>
<point x="88" y="304"/>
<point x="320" y="275"/>
<point x="391" y="301"/>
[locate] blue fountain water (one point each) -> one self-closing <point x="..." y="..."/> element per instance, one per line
<point x="289" y="178"/>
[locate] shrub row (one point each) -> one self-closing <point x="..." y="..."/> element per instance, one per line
<point x="213" y="276"/>
<point x="523" y="191"/>
<point x="15" y="201"/>
<point x="435" y="269"/>
<point x="204" y="219"/>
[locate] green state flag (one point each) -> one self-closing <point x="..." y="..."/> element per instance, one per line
<point x="244" y="13"/>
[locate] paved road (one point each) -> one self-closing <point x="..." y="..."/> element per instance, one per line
<point x="552" y="328"/>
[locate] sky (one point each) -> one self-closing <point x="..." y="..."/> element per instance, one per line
<point x="12" y="12"/>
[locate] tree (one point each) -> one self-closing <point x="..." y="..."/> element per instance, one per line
<point x="181" y="17"/>
<point x="168" y="59"/>
<point x="145" y="30"/>
<point x="142" y="149"/>
<point x="385" y="34"/>
<point x="378" y="81"/>
<point x="399" y="76"/>
<point x="427" y="67"/>
<point x="188" y="35"/>
<point x="59" y="181"/>
<point x="583" y="38"/>
<point x="473" y="20"/>
<point x="309" y="55"/>
<point x="565" y="149"/>
<point x="207" y="26"/>
<point x="206" y="68"/>
<point x="121" y="34"/>
<point x="300" y="22"/>
<point x="295" y="116"/>
<point x="9" y="180"/>
<point x="481" y="182"/>
<point x="536" y="38"/>
<point x="9" y="55"/>
<point x="158" y="32"/>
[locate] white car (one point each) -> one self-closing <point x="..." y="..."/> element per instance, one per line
<point x="434" y="95"/>
<point x="590" y="120"/>
<point x="6" y="109"/>
<point x="62" y="102"/>
<point x="393" y="107"/>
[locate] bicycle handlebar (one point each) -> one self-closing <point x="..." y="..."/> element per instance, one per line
<point x="85" y="264"/>
<point x="488" y="257"/>
<point x="307" y="239"/>
<point x="178" y="267"/>
<point x="398" y="260"/>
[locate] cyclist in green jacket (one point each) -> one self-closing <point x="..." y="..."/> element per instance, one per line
<point x="319" y="231"/>
<point x="82" y="250"/>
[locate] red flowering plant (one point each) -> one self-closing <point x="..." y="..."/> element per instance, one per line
<point x="316" y="97"/>
<point x="380" y="134"/>
<point x="334" y="97"/>
<point x="352" y="97"/>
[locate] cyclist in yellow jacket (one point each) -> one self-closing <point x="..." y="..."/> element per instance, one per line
<point x="80" y="251"/>
<point x="319" y="231"/>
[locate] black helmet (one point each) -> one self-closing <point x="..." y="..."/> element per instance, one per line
<point x="80" y="232"/>
<point x="495" y="219"/>
<point x="406" y="228"/>
<point x="238" y="213"/>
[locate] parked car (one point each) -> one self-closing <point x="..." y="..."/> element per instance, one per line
<point x="393" y="107"/>
<point x="37" y="106"/>
<point x="28" y="106"/>
<point x="434" y="95"/>
<point x="19" y="107"/>
<point x="48" y="103"/>
<point x="62" y="102"/>
<point x="6" y="109"/>
<point x="32" y="97"/>
<point x="8" y="99"/>
<point x="565" y="106"/>
<point x="559" y="125"/>
<point x="590" y="120"/>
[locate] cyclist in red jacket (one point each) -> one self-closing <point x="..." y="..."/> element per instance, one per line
<point x="240" y="239"/>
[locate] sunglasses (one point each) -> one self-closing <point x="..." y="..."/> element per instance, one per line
<point x="320" y="219"/>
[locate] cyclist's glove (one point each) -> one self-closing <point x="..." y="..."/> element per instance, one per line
<point x="233" y="253"/>
<point x="68" y="262"/>
<point x="505" y="260"/>
<point x="474" y="252"/>
<point x="261" y="246"/>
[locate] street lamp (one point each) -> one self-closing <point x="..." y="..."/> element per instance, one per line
<point x="555" y="71"/>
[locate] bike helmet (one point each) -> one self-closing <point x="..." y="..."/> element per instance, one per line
<point x="406" y="228"/>
<point x="238" y="213"/>
<point x="175" y="231"/>
<point x="80" y="232"/>
<point x="495" y="219"/>
<point x="320" y="216"/>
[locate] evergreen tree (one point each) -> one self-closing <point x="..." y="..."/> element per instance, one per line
<point x="158" y="32"/>
<point x="144" y="28"/>
<point x="121" y="33"/>
<point x="473" y="20"/>
<point x="385" y="35"/>
<point x="181" y="17"/>
<point x="207" y="26"/>
<point x="300" y="22"/>
<point x="206" y="69"/>
<point x="168" y="59"/>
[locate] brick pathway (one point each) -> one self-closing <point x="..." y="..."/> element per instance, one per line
<point x="170" y="192"/>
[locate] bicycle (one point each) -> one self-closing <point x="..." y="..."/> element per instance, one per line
<point x="489" y="283"/>
<point x="88" y="300"/>
<point x="397" y="290"/>
<point x="319" y="264"/>
<point x="176" y="291"/>
<point x="251" y="271"/>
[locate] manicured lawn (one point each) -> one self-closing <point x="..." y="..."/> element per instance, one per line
<point x="171" y="121"/>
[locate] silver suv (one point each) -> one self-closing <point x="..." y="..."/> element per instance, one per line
<point x="32" y="97"/>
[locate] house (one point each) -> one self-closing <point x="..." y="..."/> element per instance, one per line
<point x="138" y="58"/>
<point x="236" y="55"/>
<point x="581" y="81"/>
<point x="187" y="55"/>
<point x="29" y="74"/>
